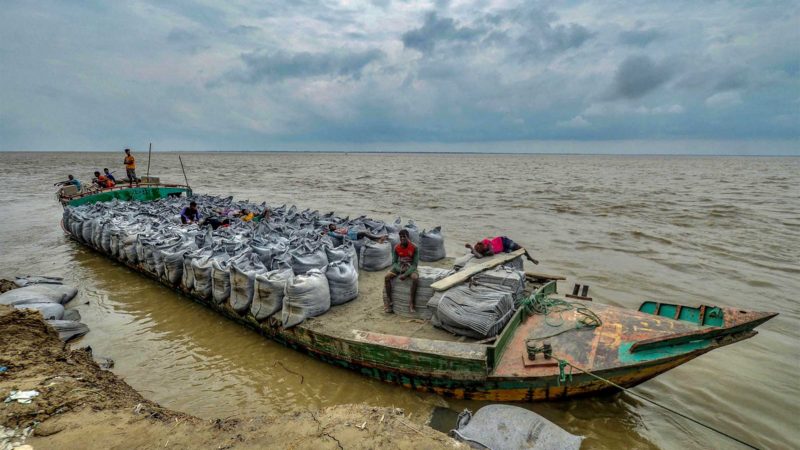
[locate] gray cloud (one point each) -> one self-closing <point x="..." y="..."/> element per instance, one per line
<point x="436" y="30"/>
<point x="640" y="38"/>
<point x="638" y="75"/>
<point x="277" y="66"/>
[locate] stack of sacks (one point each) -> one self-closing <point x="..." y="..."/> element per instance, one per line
<point x="401" y="292"/>
<point x="478" y="312"/>
<point x="505" y="278"/>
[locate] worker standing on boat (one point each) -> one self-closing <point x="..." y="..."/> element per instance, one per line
<point x="494" y="245"/>
<point x="405" y="257"/>
<point x="190" y="214"/>
<point x="130" y="167"/>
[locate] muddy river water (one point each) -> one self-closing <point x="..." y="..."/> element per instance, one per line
<point x="692" y="230"/>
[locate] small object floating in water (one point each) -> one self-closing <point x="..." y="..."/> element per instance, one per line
<point x="521" y="429"/>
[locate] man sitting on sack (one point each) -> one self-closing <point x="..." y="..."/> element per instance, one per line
<point x="405" y="257"/>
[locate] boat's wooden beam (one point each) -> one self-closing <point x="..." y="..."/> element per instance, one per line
<point x="465" y="273"/>
<point x="544" y="276"/>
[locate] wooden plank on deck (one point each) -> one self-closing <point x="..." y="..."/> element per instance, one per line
<point x="465" y="273"/>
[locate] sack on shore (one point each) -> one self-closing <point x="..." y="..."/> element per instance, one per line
<point x="68" y="329"/>
<point x="342" y="281"/>
<point x="39" y="293"/>
<point x="49" y="311"/>
<point x="307" y="296"/>
<point x="268" y="292"/>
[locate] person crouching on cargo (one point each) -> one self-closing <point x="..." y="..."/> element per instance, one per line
<point x="102" y="181"/>
<point x="495" y="245"/>
<point x="190" y="214"/>
<point x="405" y="258"/>
<point x="352" y="234"/>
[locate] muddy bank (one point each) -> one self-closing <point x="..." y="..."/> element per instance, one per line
<point x="82" y="406"/>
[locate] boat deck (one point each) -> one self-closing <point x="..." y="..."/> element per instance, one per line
<point x="365" y="313"/>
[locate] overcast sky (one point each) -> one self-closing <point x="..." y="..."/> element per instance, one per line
<point x="491" y="75"/>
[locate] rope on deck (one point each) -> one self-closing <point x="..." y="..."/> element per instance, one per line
<point x="542" y="304"/>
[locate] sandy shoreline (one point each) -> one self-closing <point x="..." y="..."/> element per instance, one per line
<point x="81" y="405"/>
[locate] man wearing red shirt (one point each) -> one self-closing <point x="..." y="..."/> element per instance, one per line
<point x="405" y="257"/>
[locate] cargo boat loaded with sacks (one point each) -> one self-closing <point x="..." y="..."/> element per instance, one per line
<point x="487" y="331"/>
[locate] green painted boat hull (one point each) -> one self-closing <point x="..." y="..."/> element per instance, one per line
<point x="139" y="194"/>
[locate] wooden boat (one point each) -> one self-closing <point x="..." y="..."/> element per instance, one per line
<point x="626" y="347"/>
<point x="149" y="189"/>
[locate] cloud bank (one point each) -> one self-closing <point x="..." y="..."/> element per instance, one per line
<point x="201" y="75"/>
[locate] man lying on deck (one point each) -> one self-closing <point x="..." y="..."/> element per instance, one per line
<point x="351" y="233"/>
<point x="494" y="245"/>
<point x="405" y="258"/>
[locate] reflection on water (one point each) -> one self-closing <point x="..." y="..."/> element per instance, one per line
<point x="677" y="229"/>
